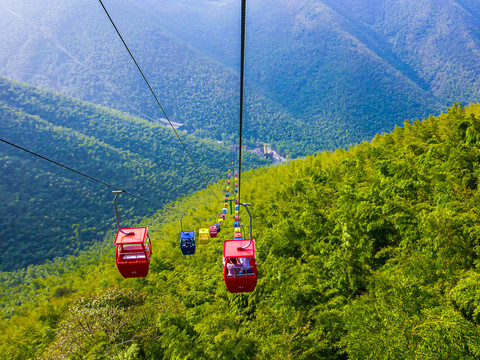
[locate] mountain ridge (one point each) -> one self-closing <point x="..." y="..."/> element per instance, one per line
<point x="302" y="66"/>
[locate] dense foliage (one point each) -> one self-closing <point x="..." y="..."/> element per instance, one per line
<point x="319" y="75"/>
<point x="48" y="211"/>
<point x="365" y="253"/>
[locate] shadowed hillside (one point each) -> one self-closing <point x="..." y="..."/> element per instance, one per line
<point x="48" y="211"/>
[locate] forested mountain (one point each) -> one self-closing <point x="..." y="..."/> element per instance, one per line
<point x="48" y="211"/>
<point x="365" y="253"/>
<point x="320" y="74"/>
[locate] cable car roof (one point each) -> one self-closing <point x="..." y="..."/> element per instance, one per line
<point x="233" y="248"/>
<point x="187" y="234"/>
<point x="139" y="235"/>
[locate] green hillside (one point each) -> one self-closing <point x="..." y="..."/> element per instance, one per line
<point x="319" y="74"/>
<point x="365" y="253"/>
<point x="48" y="211"/>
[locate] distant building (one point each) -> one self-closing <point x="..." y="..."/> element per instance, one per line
<point x="176" y="126"/>
<point x="266" y="152"/>
<point x="258" y="152"/>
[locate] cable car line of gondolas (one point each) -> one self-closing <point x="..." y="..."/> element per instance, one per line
<point x="133" y="246"/>
<point x="240" y="269"/>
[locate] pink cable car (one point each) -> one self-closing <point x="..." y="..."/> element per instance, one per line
<point x="213" y="231"/>
<point x="240" y="269"/>
<point x="240" y="265"/>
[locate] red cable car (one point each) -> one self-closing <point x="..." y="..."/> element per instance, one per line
<point x="133" y="248"/>
<point x="133" y="252"/>
<point x="240" y="267"/>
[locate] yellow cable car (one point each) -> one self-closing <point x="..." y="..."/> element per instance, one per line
<point x="203" y="236"/>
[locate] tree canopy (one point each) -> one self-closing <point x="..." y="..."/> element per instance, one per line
<point x="365" y="253"/>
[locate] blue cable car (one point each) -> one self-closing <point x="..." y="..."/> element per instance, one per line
<point x="187" y="242"/>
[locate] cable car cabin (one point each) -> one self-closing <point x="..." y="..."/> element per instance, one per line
<point x="237" y="236"/>
<point x="222" y="215"/>
<point x="228" y="182"/>
<point x="236" y="184"/>
<point x="213" y="231"/>
<point x="240" y="267"/>
<point x="236" y="223"/>
<point x="236" y="190"/>
<point x="227" y="193"/>
<point x="187" y="242"/>
<point x="203" y="236"/>
<point x="133" y="252"/>
<point x="236" y="202"/>
<point x="237" y="207"/>
<point x="237" y="218"/>
<point x="218" y="225"/>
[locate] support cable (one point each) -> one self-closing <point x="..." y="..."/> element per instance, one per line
<point x="79" y="172"/>
<point x="156" y="98"/>
<point x="242" y="71"/>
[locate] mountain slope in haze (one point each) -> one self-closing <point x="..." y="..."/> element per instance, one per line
<point x="370" y="252"/>
<point x="194" y="89"/>
<point x="48" y="211"/>
<point x="319" y="74"/>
